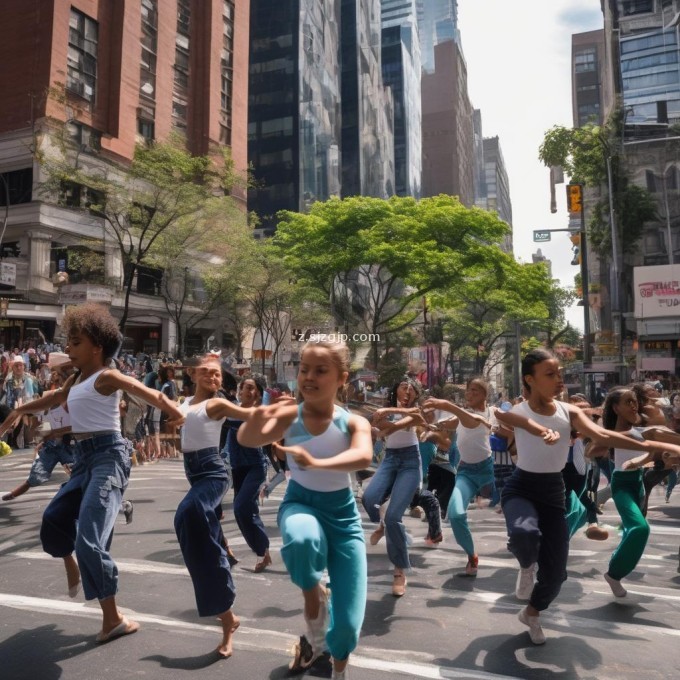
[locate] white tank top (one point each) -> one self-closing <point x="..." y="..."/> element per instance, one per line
<point x="473" y="442"/>
<point x="400" y="439"/>
<point x="199" y="431"/>
<point x="334" y="440"/>
<point x="91" y="411"/>
<point x="622" y="455"/>
<point x="533" y="454"/>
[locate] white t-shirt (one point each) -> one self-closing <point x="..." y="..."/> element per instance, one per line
<point x="473" y="442"/>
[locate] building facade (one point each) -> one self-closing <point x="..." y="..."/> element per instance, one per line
<point x="294" y="128"/>
<point x="402" y="74"/>
<point x="437" y="23"/>
<point x="367" y="106"/>
<point x="587" y="77"/>
<point x="114" y="75"/>
<point x="448" y="130"/>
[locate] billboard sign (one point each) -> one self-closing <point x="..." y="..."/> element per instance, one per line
<point x="657" y="291"/>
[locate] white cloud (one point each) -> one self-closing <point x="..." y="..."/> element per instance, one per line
<point x="518" y="54"/>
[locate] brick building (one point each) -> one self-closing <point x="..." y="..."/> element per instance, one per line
<point x="127" y="72"/>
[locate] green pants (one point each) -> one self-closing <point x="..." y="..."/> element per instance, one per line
<point x="628" y="494"/>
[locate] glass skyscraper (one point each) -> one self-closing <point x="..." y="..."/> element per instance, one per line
<point x="437" y="23"/>
<point x="293" y="105"/>
<point x="367" y="106"/>
<point x="402" y="71"/>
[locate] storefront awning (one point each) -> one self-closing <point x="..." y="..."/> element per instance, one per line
<point x="658" y="364"/>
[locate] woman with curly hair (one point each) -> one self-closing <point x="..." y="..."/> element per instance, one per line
<point x="82" y="515"/>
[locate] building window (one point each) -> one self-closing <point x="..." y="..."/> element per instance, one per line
<point x="81" y="77"/>
<point x="227" y="68"/>
<point x="183" y="17"/>
<point x="18" y="184"/>
<point x="146" y="128"/>
<point x="585" y="61"/>
<point x="85" y="137"/>
<point x="631" y="7"/>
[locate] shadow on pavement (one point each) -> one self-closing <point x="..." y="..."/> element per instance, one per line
<point x="186" y="663"/>
<point x="21" y="662"/>
<point x="501" y="655"/>
<point x="321" y="668"/>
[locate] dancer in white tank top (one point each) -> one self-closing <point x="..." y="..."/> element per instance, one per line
<point x="82" y="514"/>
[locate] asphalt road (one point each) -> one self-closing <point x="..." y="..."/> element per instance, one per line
<point x="445" y="627"/>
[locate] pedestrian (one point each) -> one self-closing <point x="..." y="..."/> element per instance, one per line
<point x="398" y="476"/>
<point x="319" y="521"/>
<point x="82" y="514"/>
<point x="58" y="445"/>
<point x="197" y="519"/>
<point x="249" y="473"/>
<point x="533" y="498"/>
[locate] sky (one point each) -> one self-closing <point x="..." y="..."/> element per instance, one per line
<point x="518" y="55"/>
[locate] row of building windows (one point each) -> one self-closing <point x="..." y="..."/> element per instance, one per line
<point x="146" y="114"/>
<point x="81" y="75"/>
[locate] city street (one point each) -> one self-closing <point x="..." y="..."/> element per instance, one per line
<point x="446" y="626"/>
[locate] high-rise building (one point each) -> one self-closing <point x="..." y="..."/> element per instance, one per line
<point x="448" y="131"/>
<point x="437" y="23"/>
<point x="123" y="73"/>
<point x="402" y="72"/>
<point x="294" y="125"/>
<point x="367" y="106"/>
<point x="587" y="77"/>
<point x="497" y="183"/>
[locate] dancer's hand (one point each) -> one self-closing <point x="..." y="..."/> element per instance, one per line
<point x="301" y="456"/>
<point x="10" y="422"/>
<point x="551" y="436"/>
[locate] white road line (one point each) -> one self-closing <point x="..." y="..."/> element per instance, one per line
<point x="248" y="638"/>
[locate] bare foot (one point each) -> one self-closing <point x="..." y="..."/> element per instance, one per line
<point x="72" y="575"/>
<point x="229" y="625"/>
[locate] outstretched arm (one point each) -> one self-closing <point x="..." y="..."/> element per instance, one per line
<point x="267" y="424"/>
<point x="47" y="401"/>
<point x="113" y="380"/>
<point x="467" y="419"/>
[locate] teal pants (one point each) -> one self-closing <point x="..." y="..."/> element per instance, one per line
<point x="628" y="494"/>
<point x="322" y="530"/>
<point x="470" y="479"/>
<point x="576" y="513"/>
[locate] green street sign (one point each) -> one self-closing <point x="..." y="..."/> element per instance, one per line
<point x="541" y="236"/>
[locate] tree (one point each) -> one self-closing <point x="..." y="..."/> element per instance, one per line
<point x="164" y="196"/>
<point x="484" y="307"/>
<point x="585" y="154"/>
<point x="392" y="252"/>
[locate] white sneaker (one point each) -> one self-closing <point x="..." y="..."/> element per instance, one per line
<point x="525" y="583"/>
<point x="340" y="675"/>
<point x="535" y="631"/>
<point x="617" y="588"/>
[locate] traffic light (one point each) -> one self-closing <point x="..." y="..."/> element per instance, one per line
<point x="576" y="247"/>
<point x="574" y="198"/>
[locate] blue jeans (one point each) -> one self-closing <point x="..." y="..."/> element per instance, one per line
<point x="83" y="513"/>
<point x="471" y="477"/>
<point x="248" y="479"/>
<point x="198" y="529"/>
<point x="397" y="477"/>
<point x="322" y="530"/>
<point x="50" y="453"/>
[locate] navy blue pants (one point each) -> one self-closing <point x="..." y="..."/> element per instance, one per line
<point x="199" y="532"/>
<point x="534" y="507"/>
<point x="248" y="479"/>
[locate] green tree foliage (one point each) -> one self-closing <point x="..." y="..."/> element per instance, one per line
<point x="483" y="307"/>
<point x="584" y="153"/>
<point x="392" y="251"/>
<point x="160" y="207"/>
